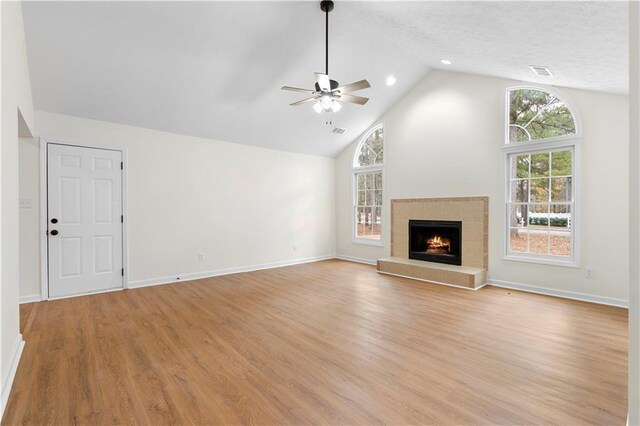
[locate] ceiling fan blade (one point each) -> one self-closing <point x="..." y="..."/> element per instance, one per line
<point x="353" y="99"/>
<point x="304" y="101"/>
<point x="323" y="81"/>
<point x="352" y="87"/>
<point x="297" y="89"/>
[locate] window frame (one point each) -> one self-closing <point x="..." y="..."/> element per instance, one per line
<point x="374" y="168"/>
<point x="570" y="142"/>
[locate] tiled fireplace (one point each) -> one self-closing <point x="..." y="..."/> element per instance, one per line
<point x="442" y="240"/>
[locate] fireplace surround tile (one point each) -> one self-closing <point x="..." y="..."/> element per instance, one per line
<point x="472" y="211"/>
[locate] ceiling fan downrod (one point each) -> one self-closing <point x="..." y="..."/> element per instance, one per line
<point x="326" y="6"/>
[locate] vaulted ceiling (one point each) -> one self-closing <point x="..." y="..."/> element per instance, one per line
<point x="215" y="69"/>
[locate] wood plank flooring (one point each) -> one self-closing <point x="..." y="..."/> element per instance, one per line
<point x="329" y="342"/>
<point x="25" y="315"/>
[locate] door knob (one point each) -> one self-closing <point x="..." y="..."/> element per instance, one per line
<point x="54" y="232"/>
<point x="54" y="220"/>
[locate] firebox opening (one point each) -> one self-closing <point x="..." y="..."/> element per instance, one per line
<point x="436" y="241"/>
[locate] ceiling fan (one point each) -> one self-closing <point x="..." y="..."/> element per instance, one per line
<point x="327" y="93"/>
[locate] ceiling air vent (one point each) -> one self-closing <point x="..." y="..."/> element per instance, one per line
<point x="541" y="71"/>
<point x="338" y="130"/>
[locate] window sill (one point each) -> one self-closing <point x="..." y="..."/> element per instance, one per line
<point x="377" y="243"/>
<point x="543" y="261"/>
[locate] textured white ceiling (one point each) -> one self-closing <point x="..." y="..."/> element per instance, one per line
<point x="585" y="44"/>
<point x="215" y="69"/>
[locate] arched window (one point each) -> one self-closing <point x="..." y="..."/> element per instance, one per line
<point x="535" y="114"/>
<point x="368" y="166"/>
<point x="370" y="152"/>
<point x="541" y="142"/>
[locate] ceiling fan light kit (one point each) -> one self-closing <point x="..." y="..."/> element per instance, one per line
<point x="327" y="93"/>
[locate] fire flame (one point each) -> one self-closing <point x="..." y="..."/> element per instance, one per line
<point x="439" y="245"/>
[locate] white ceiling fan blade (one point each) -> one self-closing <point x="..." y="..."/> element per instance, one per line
<point x="297" y="89"/>
<point x="323" y="81"/>
<point x="304" y="101"/>
<point x="353" y="99"/>
<point x="352" y="87"/>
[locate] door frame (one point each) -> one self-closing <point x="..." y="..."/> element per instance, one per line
<point x="44" y="217"/>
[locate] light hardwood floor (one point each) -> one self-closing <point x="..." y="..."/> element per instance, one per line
<point x="329" y="342"/>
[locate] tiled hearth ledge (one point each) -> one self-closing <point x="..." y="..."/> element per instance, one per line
<point x="473" y="212"/>
<point x="459" y="276"/>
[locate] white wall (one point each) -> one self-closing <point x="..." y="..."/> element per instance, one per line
<point x="634" y="213"/>
<point x="444" y="139"/>
<point x="16" y="117"/>
<point x="29" y="183"/>
<point x="236" y="204"/>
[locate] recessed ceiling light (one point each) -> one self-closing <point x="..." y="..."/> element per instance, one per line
<point x="445" y="61"/>
<point x="391" y="80"/>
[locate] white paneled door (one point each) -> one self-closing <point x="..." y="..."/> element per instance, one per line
<point x="84" y="219"/>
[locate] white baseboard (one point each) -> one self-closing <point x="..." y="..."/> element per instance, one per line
<point x="228" y="271"/>
<point x="16" y="353"/>
<point x="30" y="298"/>
<point x="356" y="259"/>
<point x="621" y="303"/>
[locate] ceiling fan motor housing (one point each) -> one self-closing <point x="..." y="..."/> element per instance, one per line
<point x="332" y="84"/>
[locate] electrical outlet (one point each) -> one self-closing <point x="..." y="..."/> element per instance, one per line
<point x="200" y="257"/>
<point x="25" y="203"/>
<point x="588" y="272"/>
<point x="295" y="247"/>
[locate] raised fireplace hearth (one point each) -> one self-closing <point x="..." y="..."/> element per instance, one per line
<point x="437" y="241"/>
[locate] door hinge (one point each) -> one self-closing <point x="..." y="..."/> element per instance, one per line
<point x="121" y="165"/>
<point x="123" y="272"/>
<point x="122" y="218"/>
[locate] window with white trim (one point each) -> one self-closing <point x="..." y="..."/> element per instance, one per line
<point x="367" y="187"/>
<point x="540" y="148"/>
